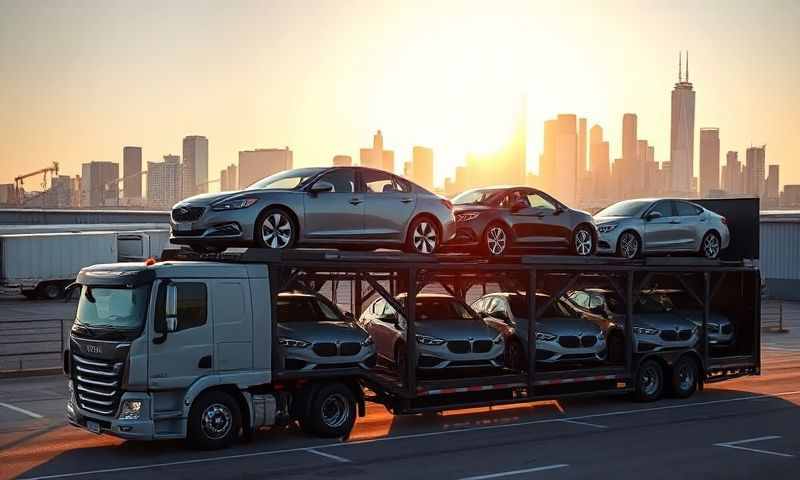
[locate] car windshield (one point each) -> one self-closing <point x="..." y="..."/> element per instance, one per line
<point x="113" y="308"/>
<point x="305" y="308"/>
<point x="476" y="197"/>
<point x="288" y="179"/>
<point x="628" y="208"/>
<point x="519" y="307"/>
<point x="428" y="309"/>
<point x="653" y="303"/>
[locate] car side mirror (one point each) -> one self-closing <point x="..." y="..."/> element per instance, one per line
<point x="517" y="206"/>
<point x="652" y="216"/>
<point x="321" y="187"/>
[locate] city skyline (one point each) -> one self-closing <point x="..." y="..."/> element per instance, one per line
<point x="462" y="103"/>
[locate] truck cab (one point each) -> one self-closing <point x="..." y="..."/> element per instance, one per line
<point x="185" y="350"/>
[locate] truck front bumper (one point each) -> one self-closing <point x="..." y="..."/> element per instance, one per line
<point x="141" y="428"/>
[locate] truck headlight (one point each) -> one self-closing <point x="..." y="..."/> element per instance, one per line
<point x="233" y="204"/>
<point x="426" y="340"/>
<point x="131" y="410"/>
<point x="606" y="228"/>
<point x="290" y="342"/>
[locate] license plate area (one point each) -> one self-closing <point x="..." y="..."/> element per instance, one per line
<point x="93" y="427"/>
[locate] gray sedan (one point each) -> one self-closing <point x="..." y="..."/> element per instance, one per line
<point x="313" y="333"/>
<point x="633" y="228"/>
<point x="449" y="334"/>
<point x="561" y="335"/>
<point x="352" y="207"/>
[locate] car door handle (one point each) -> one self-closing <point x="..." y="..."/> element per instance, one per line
<point x="355" y="201"/>
<point x="407" y="200"/>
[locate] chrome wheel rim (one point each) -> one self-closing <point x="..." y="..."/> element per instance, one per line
<point x="711" y="246"/>
<point x="424" y="238"/>
<point x="649" y="381"/>
<point x="217" y="421"/>
<point x="335" y="410"/>
<point x="686" y="377"/>
<point x="276" y="230"/>
<point x="629" y="245"/>
<point x="496" y="240"/>
<point x="583" y="243"/>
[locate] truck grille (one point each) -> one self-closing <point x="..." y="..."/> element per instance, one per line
<point x="187" y="214"/>
<point x="97" y="384"/>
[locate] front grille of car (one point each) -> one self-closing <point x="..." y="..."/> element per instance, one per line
<point x="329" y="349"/>
<point x="589" y="341"/>
<point x="97" y="384"/>
<point x="673" y="335"/>
<point x="481" y="346"/>
<point x="578" y="356"/>
<point x="458" y="346"/>
<point x="569" y="341"/>
<point x="187" y="214"/>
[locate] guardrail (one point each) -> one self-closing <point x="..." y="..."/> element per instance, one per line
<point x="772" y="315"/>
<point x="31" y="345"/>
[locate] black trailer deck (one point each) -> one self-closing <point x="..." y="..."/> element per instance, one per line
<point x="388" y="273"/>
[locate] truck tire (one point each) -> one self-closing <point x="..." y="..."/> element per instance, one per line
<point x="685" y="376"/>
<point x="214" y="421"/>
<point x="649" y="381"/>
<point x="332" y="412"/>
<point x="50" y="290"/>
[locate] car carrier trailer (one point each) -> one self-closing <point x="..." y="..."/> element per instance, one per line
<point x="140" y="406"/>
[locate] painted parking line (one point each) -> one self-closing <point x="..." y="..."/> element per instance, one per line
<point x="586" y="424"/>
<point x="738" y="446"/>
<point x="395" y="438"/>
<point x="517" y="472"/>
<point x="21" y="410"/>
<point x="328" y="455"/>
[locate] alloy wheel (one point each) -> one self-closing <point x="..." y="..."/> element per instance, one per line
<point x="686" y="377"/>
<point x="496" y="240"/>
<point x="217" y="421"/>
<point x="335" y="411"/>
<point x="711" y="246"/>
<point x="649" y="381"/>
<point x="276" y="230"/>
<point x="628" y="245"/>
<point x="583" y="242"/>
<point x="424" y="238"/>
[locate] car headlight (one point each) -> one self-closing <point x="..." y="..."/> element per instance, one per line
<point x="131" y="410"/>
<point x="498" y="339"/>
<point x="233" y="204"/>
<point x="645" y="331"/>
<point x="606" y="228"/>
<point x="545" y="337"/>
<point x="466" y="217"/>
<point x="426" y="340"/>
<point x="367" y="341"/>
<point x="290" y="342"/>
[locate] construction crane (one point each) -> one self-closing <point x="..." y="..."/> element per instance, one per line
<point x="19" y="181"/>
<point x="122" y="179"/>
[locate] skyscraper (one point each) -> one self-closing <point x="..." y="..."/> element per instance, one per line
<point x="773" y="187"/>
<point x="377" y="157"/>
<point x="99" y="187"/>
<point x="581" y="146"/>
<point x="131" y="172"/>
<point x="342" y="161"/>
<point x="195" y="165"/>
<point x="682" y="133"/>
<point x="732" y="181"/>
<point x="598" y="163"/>
<point x="755" y="169"/>
<point x="547" y="162"/>
<point x="229" y="178"/>
<point x="632" y="175"/>
<point x="422" y="166"/>
<point x="566" y="158"/>
<point x="164" y="181"/>
<point x="709" y="160"/>
<point x="261" y="163"/>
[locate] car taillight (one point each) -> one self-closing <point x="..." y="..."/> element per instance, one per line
<point x="447" y="203"/>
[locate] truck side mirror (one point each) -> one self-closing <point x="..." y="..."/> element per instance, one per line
<point x="171" y="313"/>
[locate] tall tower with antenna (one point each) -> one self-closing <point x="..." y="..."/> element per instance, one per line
<point x="682" y="133"/>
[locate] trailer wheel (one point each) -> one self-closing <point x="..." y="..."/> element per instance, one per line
<point x="214" y="421"/>
<point x="649" y="381"/>
<point x="685" y="376"/>
<point x="50" y="290"/>
<point x="332" y="413"/>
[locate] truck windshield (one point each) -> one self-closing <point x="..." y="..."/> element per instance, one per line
<point x="113" y="308"/>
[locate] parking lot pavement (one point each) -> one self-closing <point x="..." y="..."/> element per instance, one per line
<point x="735" y="429"/>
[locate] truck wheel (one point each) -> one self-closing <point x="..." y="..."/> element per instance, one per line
<point x="50" y="290"/>
<point x="685" y="375"/>
<point x="332" y="413"/>
<point x="649" y="381"/>
<point x="214" y="421"/>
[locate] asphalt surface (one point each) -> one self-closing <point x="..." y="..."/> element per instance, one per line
<point x="742" y="428"/>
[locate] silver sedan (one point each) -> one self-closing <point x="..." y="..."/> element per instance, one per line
<point x="351" y="207"/>
<point x="633" y="228"/>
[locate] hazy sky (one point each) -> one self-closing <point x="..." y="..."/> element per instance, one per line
<point x="80" y="79"/>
